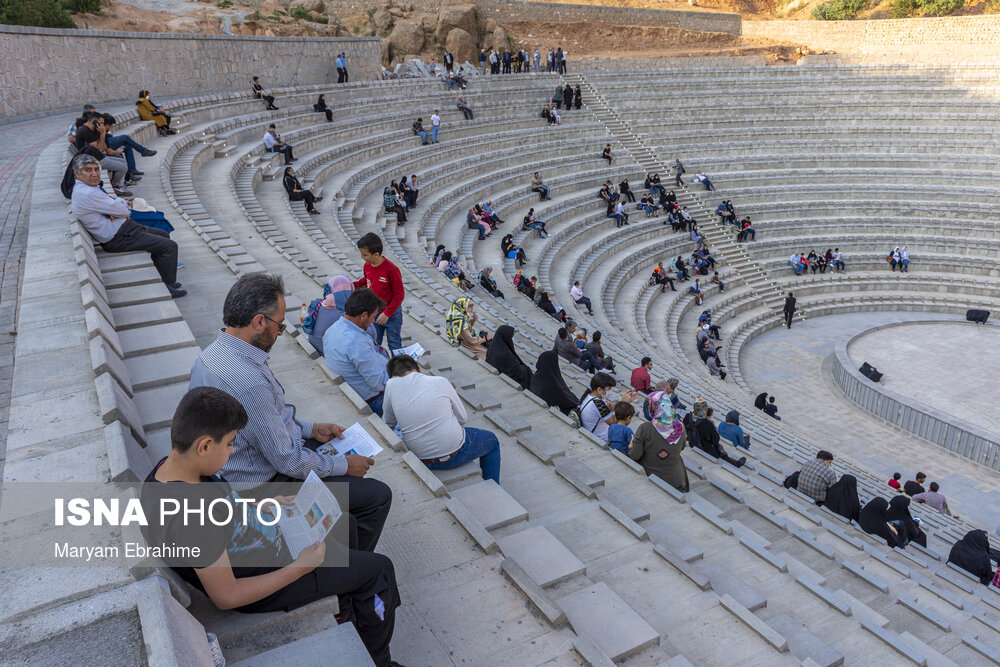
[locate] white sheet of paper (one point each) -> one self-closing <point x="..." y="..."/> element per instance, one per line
<point x="415" y="351"/>
<point x="311" y="516"/>
<point x="356" y="441"/>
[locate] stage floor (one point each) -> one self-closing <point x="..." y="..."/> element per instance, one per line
<point x="950" y="366"/>
<point x="794" y="366"/>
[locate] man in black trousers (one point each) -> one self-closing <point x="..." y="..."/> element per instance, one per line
<point x="789" y="309"/>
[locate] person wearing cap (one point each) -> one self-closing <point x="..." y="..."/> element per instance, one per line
<point x="733" y="432"/>
<point x="816" y="476"/>
<point x="274" y="144"/>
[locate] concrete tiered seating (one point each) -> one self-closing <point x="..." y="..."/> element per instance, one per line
<point x="633" y="568"/>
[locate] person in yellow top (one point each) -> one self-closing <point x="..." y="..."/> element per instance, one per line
<point x="459" y="322"/>
<point x="149" y="111"/>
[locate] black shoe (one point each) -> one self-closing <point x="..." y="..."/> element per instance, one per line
<point x="136" y="172"/>
<point x="122" y="192"/>
<point x="314" y="212"/>
<point x="741" y="462"/>
<point x="175" y="285"/>
<point x="321" y="199"/>
<point x="148" y="153"/>
<point x="176" y="293"/>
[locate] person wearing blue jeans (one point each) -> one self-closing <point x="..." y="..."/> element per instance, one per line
<point x="418" y="129"/>
<point x="392" y="330"/>
<point x="435" y="126"/>
<point x="479" y="444"/>
<point x="128" y="143"/>
<point x="430" y="418"/>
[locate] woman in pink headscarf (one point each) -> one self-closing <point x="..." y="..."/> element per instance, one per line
<point x="322" y="313"/>
<point x="657" y="444"/>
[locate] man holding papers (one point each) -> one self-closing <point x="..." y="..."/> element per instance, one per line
<point x="276" y="445"/>
<point x="431" y="417"/>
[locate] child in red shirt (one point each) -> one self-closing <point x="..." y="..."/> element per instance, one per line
<point x="894" y="482"/>
<point x="383" y="278"/>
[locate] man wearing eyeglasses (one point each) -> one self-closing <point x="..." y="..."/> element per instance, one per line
<point x="276" y="445"/>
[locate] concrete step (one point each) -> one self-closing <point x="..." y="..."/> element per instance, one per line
<point x="339" y="646"/>
<point x="596" y="612"/>
<point x="543" y="557"/>
<point x="492" y="506"/>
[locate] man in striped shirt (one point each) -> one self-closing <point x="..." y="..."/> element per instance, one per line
<point x="276" y="445"/>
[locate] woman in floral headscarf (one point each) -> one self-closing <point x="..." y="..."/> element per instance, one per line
<point x="323" y="313"/>
<point x="657" y="444"/>
<point x="458" y="325"/>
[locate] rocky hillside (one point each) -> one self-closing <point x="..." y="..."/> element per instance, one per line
<point x="405" y="32"/>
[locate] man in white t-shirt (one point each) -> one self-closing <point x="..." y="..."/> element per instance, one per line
<point x="435" y="126"/>
<point x="430" y="417"/>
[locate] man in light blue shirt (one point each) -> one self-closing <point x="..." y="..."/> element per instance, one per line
<point x="352" y="354"/>
<point x="276" y="445"/>
<point x="274" y="144"/>
<point x="342" y="68"/>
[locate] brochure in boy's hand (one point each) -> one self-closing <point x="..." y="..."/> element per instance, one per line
<point x="415" y="351"/>
<point x="356" y="441"/>
<point x="309" y="519"/>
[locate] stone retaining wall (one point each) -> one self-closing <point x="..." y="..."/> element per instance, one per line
<point x="46" y="68"/>
<point x="955" y="435"/>
<point x="516" y="10"/>
<point x="924" y="40"/>
<point x="607" y="63"/>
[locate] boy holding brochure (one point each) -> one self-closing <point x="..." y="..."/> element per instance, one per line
<point x="247" y="564"/>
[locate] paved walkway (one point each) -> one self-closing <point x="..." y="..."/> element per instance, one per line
<point x="22" y="142"/>
<point x="793" y="366"/>
<point x="939" y="365"/>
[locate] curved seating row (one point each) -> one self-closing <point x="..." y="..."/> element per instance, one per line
<point x="775" y="536"/>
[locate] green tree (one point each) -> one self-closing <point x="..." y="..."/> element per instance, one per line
<point x="37" y="13"/>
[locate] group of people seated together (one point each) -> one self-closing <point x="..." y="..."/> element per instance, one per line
<point x="400" y="196"/>
<point x="234" y="430"/>
<point x="742" y="227"/>
<point x="818" y="262"/>
<point x="92" y="134"/>
<point x="483" y="218"/>
<point x="529" y="288"/>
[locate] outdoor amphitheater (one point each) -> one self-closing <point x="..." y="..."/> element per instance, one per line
<point x="577" y="557"/>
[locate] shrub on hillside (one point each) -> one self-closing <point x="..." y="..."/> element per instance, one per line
<point x="838" y="10"/>
<point x="905" y="8"/>
<point x="37" y="13"/>
<point x="300" y="12"/>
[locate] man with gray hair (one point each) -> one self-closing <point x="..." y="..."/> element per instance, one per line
<point x="107" y="219"/>
<point x="276" y="445"/>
